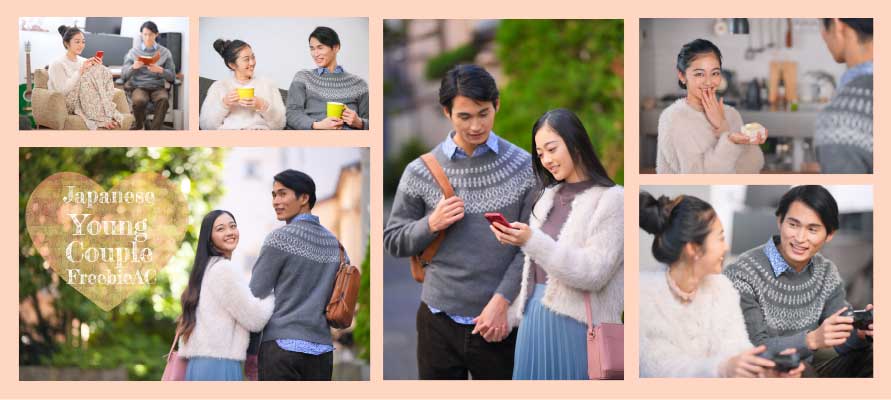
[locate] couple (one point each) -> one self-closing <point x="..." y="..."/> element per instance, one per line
<point x="780" y="297"/>
<point x="699" y="134"/>
<point x="285" y="300"/>
<point x="308" y="96"/>
<point x="567" y="242"/>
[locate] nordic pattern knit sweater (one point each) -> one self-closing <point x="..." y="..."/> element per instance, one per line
<point x="310" y="93"/>
<point x="470" y="265"/>
<point x="299" y="262"/>
<point x="780" y="311"/>
<point x="843" y="137"/>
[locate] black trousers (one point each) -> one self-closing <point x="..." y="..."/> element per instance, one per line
<point x="853" y="364"/>
<point x="277" y="364"/>
<point x="447" y="350"/>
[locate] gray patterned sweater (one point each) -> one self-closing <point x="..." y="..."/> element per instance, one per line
<point x="780" y="311"/>
<point x="309" y="94"/>
<point x="470" y="265"/>
<point x="299" y="262"/>
<point x="843" y="136"/>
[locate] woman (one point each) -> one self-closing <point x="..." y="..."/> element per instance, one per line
<point x="219" y="311"/>
<point x="87" y="85"/>
<point x="574" y="248"/>
<point x="699" y="134"/>
<point x="312" y="89"/>
<point x="223" y="108"/>
<point x="691" y="321"/>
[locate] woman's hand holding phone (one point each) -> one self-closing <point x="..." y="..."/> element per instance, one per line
<point x="516" y="233"/>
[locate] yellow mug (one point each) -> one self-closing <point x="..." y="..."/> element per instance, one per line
<point x="246" y="93"/>
<point x="335" y="109"/>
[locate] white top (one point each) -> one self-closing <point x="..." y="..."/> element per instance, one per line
<point x="689" y="340"/>
<point x="226" y="314"/>
<point x="64" y="73"/>
<point x="215" y="116"/>
<point x="587" y="258"/>
<point x="687" y="144"/>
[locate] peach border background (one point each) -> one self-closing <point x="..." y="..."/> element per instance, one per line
<point x="630" y="10"/>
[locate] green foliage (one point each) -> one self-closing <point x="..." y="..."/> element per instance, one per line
<point x="438" y="66"/>
<point x="393" y="166"/>
<point x="362" y="331"/>
<point x="137" y="333"/>
<point x="573" y="64"/>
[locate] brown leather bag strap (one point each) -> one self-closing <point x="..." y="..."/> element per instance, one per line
<point x="438" y="174"/>
<point x="447" y="190"/>
<point x="342" y="251"/>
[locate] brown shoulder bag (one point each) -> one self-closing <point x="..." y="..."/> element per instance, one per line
<point x="420" y="261"/>
<point x="342" y="306"/>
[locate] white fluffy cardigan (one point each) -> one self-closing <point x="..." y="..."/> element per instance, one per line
<point x="689" y="340"/>
<point x="227" y="313"/>
<point x="588" y="257"/>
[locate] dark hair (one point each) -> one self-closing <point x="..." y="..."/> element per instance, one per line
<point x="692" y="51"/>
<point x="863" y="27"/>
<point x="229" y="49"/>
<point x="325" y="35"/>
<point x="68" y="32"/>
<point x="192" y="294"/>
<point x="817" y="198"/>
<point x="568" y="126"/>
<point x="299" y="182"/>
<point x="674" y="223"/>
<point x="470" y="81"/>
<point x="150" y="25"/>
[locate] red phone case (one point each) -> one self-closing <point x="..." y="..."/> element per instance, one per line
<point x="497" y="217"/>
<point x="99" y="53"/>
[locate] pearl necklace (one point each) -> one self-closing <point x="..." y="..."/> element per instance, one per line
<point x="684" y="297"/>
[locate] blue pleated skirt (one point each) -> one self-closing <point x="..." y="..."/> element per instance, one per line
<point x="549" y="346"/>
<point x="213" y="369"/>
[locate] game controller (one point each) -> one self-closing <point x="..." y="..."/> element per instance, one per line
<point x="783" y="362"/>
<point x="862" y="318"/>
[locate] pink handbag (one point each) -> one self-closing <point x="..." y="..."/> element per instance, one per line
<point x="606" y="348"/>
<point x="176" y="365"/>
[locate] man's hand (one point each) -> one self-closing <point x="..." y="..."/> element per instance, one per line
<point x="492" y="322"/>
<point x="446" y="213"/>
<point x="832" y="332"/>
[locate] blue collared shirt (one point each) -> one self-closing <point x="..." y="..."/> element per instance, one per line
<point x="455" y="152"/>
<point x="854" y="72"/>
<point x="298" y="345"/>
<point x="777" y="262"/>
<point x="322" y="70"/>
<point x="153" y="48"/>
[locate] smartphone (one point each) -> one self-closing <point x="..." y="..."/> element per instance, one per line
<point x="496" y="217"/>
<point x="99" y="53"/>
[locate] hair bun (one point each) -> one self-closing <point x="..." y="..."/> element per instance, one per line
<point x="655" y="213"/>
<point x="220" y="45"/>
<point x="62" y="29"/>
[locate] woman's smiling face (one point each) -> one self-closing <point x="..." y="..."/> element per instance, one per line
<point x="703" y="74"/>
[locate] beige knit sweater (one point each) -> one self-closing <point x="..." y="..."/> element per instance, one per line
<point x="687" y="144"/>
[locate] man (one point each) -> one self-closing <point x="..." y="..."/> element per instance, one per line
<point x="299" y="263"/>
<point x="146" y="82"/>
<point x="843" y="136"/>
<point x="470" y="282"/>
<point x="792" y="296"/>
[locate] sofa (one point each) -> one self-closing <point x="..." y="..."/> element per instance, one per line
<point x="50" y="111"/>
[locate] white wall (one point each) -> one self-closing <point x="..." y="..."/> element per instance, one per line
<point x="661" y="39"/>
<point x="46" y="47"/>
<point x="282" y="45"/>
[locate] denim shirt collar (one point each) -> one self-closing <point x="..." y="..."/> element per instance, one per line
<point x="451" y="148"/>
<point x="322" y="70"/>
<point x="777" y="262"/>
<point x="304" y="217"/>
<point x="858" y="70"/>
